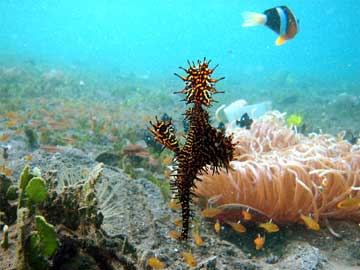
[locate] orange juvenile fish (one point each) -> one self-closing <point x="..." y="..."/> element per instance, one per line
<point x="197" y="238"/>
<point x="211" y="212"/>
<point x="167" y="173"/>
<point x="6" y="171"/>
<point x="174" y="204"/>
<point x="69" y="140"/>
<point x="174" y="234"/>
<point x="5" y="137"/>
<point x="269" y="227"/>
<point x="349" y="203"/>
<point x="9" y="115"/>
<point x="167" y="160"/>
<point x="12" y="123"/>
<point x="155" y="263"/>
<point x="238" y="227"/>
<point x="178" y="222"/>
<point x="310" y="223"/>
<point x="189" y="258"/>
<point x="246" y="215"/>
<point x="217" y="226"/>
<point x="28" y="157"/>
<point x="259" y="242"/>
<point x="50" y="148"/>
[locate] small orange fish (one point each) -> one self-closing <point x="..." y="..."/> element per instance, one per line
<point x="167" y="160"/>
<point x="12" y="123"/>
<point x="211" y="212"/>
<point x="5" y="137"/>
<point x="259" y="242"/>
<point x="189" y="258"/>
<point x="6" y="171"/>
<point x="178" y="222"/>
<point x="10" y="115"/>
<point x="69" y="140"/>
<point x="167" y="173"/>
<point x="155" y="263"/>
<point x="35" y="123"/>
<point x="349" y="203"/>
<point x="269" y="227"/>
<point x="28" y="157"/>
<point x="238" y="227"/>
<point x="310" y="223"/>
<point x="43" y="129"/>
<point x="217" y="226"/>
<point x="247" y="215"/>
<point x="174" y="204"/>
<point x="174" y="234"/>
<point x="197" y="239"/>
<point x="50" y="148"/>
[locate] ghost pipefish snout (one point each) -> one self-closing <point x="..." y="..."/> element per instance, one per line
<point x="279" y="19"/>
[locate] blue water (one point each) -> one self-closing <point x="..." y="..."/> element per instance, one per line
<point x="156" y="36"/>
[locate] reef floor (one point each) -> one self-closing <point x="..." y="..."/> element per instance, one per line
<point x="142" y="216"/>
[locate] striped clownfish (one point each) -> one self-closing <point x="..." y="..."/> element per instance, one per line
<point x="279" y="19"/>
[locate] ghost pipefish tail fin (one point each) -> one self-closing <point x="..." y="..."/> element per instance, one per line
<point x="253" y="19"/>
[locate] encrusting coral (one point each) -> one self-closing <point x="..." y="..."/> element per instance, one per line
<point x="281" y="175"/>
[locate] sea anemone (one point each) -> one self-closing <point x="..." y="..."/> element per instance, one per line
<point x="281" y="175"/>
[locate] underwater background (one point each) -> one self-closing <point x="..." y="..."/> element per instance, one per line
<point x="85" y="86"/>
<point x="114" y="40"/>
<point x="152" y="37"/>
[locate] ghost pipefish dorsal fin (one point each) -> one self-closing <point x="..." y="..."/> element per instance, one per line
<point x="253" y="19"/>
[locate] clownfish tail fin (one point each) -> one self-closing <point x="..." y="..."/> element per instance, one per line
<point x="253" y="18"/>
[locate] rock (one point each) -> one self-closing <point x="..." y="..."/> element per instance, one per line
<point x="272" y="259"/>
<point x="244" y="265"/>
<point x="108" y="158"/>
<point x="302" y="256"/>
<point x="208" y="264"/>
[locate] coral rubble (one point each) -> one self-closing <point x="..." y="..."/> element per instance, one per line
<point x="204" y="146"/>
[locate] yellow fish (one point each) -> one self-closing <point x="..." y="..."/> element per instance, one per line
<point x="211" y="212"/>
<point x="178" y="222"/>
<point x="189" y="258"/>
<point x="349" y="203"/>
<point x="167" y="160"/>
<point x="12" y="123"/>
<point x="174" y="235"/>
<point x="6" y="171"/>
<point x="269" y="227"/>
<point x="217" y="226"/>
<point x="155" y="263"/>
<point x="197" y="239"/>
<point x="259" y="242"/>
<point x="310" y="223"/>
<point x="28" y="157"/>
<point x="238" y="227"/>
<point x="174" y="204"/>
<point x="246" y="214"/>
<point x="5" y="137"/>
